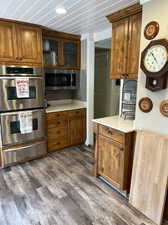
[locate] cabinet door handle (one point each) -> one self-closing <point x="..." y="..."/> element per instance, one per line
<point x="121" y="149"/>
<point x="58" y="122"/>
<point x="110" y="132"/>
<point x="125" y="75"/>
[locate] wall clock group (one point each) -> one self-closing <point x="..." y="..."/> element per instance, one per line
<point x="154" y="59"/>
<point x="154" y="63"/>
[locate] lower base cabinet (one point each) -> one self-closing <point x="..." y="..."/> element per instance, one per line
<point x="66" y="129"/>
<point x="110" y="160"/>
<point x="114" y="156"/>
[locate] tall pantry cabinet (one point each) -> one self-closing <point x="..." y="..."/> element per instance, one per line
<point x="126" y="32"/>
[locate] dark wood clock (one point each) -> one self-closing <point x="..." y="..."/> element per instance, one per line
<point x="154" y="63"/>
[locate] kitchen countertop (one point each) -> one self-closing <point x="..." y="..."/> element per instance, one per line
<point x="116" y="123"/>
<point x="64" y="105"/>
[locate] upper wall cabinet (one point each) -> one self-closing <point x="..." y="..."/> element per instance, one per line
<point x="7" y="41"/>
<point x="126" y="32"/>
<point x="60" y="50"/>
<point x="20" y="44"/>
<point x="29" y="43"/>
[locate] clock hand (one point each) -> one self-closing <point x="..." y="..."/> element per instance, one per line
<point x="154" y="58"/>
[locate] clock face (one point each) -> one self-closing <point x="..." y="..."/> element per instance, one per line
<point x="156" y="58"/>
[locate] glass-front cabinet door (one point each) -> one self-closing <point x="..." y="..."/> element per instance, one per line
<point x="70" y="50"/>
<point x="51" y="52"/>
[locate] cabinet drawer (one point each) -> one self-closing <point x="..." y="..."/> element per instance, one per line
<point x="56" y="132"/>
<point x="57" y="123"/>
<point x="113" y="134"/>
<point x="76" y="113"/>
<point x="55" y="144"/>
<point x="51" y="117"/>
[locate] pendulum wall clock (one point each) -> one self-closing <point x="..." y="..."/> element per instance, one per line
<point x="154" y="63"/>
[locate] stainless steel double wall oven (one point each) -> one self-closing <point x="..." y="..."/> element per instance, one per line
<point x="18" y="146"/>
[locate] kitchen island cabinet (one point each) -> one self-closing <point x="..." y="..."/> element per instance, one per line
<point x="66" y="128"/>
<point x="114" y="151"/>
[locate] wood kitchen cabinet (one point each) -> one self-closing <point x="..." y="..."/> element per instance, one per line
<point x="29" y="44"/>
<point x="114" y="156"/>
<point x="66" y="129"/>
<point x="61" y="50"/>
<point x="20" y="43"/>
<point x="126" y="32"/>
<point x="77" y="127"/>
<point x="7" y="41"/>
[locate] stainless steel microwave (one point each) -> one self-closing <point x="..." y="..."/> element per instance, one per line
<point x="62" y="79"/>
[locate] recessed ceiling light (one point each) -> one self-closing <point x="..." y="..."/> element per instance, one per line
<point x="61" y="10"/>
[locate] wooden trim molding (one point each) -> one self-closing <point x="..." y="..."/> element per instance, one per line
<point x="123" y="13"/>
<point x="46" y="32"/>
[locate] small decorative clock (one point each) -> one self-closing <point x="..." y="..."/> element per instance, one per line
<point x="151" y="30"/>
<point x="154" y="63"/>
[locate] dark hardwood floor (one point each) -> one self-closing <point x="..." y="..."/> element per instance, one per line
<point x="60" y="190"/>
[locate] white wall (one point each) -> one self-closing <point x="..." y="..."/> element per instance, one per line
<point x="154" y="121"/>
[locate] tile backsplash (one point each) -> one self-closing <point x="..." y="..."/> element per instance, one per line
<point x="59" y="95"/>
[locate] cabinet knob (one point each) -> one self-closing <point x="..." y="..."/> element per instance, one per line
<point x="17" y="58"/>
<point x="110" y="132"/>
<point x="125" y="75"/>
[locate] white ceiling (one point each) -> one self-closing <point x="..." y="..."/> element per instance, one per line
<point x="83" y="16"/>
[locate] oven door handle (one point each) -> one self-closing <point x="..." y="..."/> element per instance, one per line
<point x="13" y="78"/>
<point x="20" y="148"/>
<point x="16" y="113"/>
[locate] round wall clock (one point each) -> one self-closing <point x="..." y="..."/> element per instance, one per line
<point x="154" y="63"/>
<point x="151" y="30"/>
<point x="145" y="104"/>
<point x="164" y="108"/>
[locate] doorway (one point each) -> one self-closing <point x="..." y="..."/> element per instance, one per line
<point x="106" y="91"/>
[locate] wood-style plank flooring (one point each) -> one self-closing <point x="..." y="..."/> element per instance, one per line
<point x="60" y="190"/>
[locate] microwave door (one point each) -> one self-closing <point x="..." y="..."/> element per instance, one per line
<point x="54" y="81"/>
<point x="9" y="99"/>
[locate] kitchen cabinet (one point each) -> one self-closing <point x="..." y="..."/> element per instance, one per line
<point x="66" y="129"/>
<point x="29" y="44"/>
<point x="61" y="51"/>
<point x="77" y="127"/>
<point x="126" y="32"/>
<point x="71" y="53"/>
<point x="20" y="43"/>
<point x="110" y="169"/>
<point x="114" y="156"/>
<point x="7" y="41"/>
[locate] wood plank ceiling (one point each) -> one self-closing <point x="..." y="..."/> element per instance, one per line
<point x="83" y="16"/>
